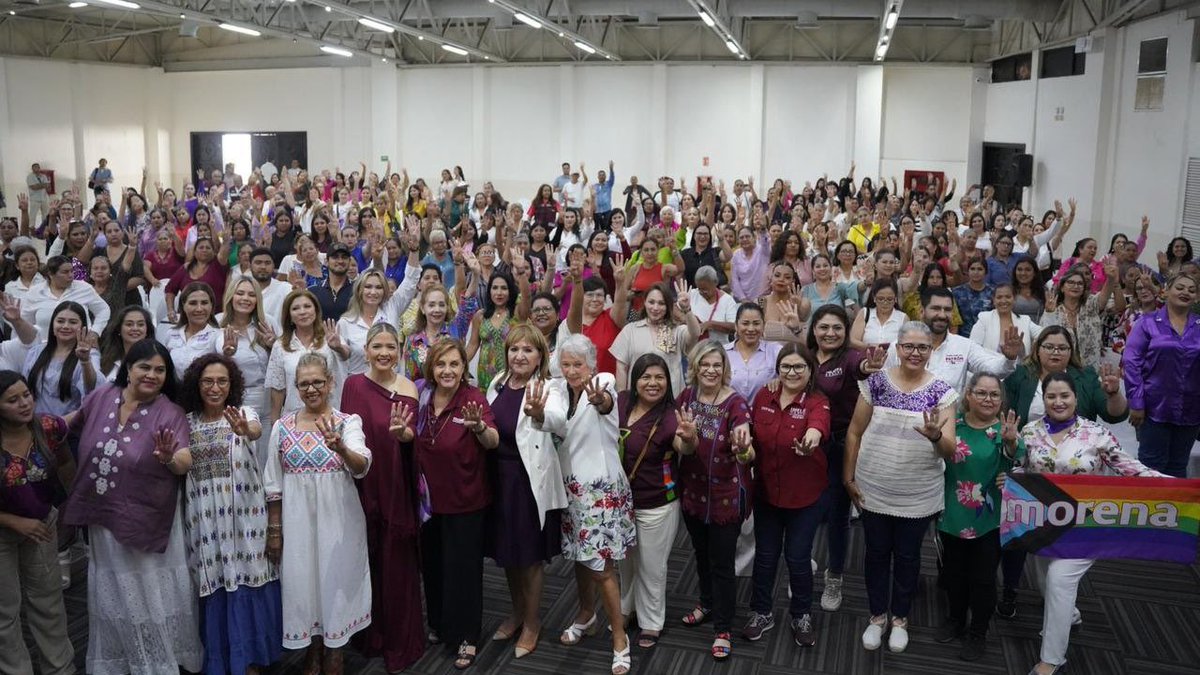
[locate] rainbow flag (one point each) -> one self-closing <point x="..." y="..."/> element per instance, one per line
<point x="1101" y="517"/>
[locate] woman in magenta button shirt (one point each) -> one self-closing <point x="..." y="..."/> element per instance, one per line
<point x="454" y="429"/>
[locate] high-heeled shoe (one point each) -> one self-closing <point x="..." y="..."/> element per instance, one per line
<point x="575" y="632"/>
<point x="501" y="636"/>
<point x="1060" y="668"/>
<point x="520" y="652"/>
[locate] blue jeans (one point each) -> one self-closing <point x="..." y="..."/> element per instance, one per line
<point x="893" y="559"/>
<point x="793" y="531"/>
<point x="837" y="512"/>
<point x="1166" y="447"/>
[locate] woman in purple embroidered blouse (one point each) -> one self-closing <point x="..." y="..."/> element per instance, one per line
<point x="716" y="484"/>
<point x="1162" y="378"/>
<point x="133" y="446"/>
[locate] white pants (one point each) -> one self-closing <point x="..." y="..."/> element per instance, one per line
<point x="39" y="208"/>
<point x="644" y="569"/>
<point x="1059" y="580"/>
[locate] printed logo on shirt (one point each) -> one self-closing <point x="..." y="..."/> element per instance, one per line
<point x="797" y="413"/>
<point x="954" y="359"/>
<point x="836" y="372"/>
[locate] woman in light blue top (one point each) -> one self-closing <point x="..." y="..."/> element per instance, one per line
<point x="824" y="290"/>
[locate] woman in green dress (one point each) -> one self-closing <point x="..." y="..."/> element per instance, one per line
<point x="986" y="446"/>
<point x="489" y="329"/>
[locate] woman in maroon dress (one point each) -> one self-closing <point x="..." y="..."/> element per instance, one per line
<point x="386" y="401"/>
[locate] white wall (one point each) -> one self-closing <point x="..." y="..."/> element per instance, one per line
<point x="927" y="121"/>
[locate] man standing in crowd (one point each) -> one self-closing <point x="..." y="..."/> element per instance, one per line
<point x="561" y="180"/>
<point x="574" y="189"/>
<point x="262" y="268"/>
<point x="39" y="193"/>
<point x="602" y="196"/>
<point x="334" y="295"/>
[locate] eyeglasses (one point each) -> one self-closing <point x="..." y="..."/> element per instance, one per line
<point x="314" y="384"/>
<point x="1073" y="282"/>
<point x="986" y="395"/>
<point x="1056" y="349"/>
<point x="909" y="348"/>
<point x="793" y="367"/>
<point x="209" y="383"/>
<point x="542" y="310"/>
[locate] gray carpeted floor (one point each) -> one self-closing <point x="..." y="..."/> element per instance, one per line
<point x="1138" y="619"/>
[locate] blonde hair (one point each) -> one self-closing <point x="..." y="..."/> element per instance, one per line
<point x="354" y="311"/>
<point x="701" y="350"/>
<point x="525" y="332"/>
<point x="289" y="328"/>
<point x="257" y="318"/>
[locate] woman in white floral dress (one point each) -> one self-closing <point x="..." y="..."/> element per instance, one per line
<point x="225" y="522"/>
<point x="598" y="526"/>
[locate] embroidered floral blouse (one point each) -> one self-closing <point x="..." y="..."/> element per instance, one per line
<point x="29" y="486"/>
<point x="1088" y="448"/>
<point x="972" y="497"/>
<point x="716" y="488"/>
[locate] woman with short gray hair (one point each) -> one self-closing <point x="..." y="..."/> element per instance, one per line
<point x="598" y="525"/>
<point x="900" y="435"/>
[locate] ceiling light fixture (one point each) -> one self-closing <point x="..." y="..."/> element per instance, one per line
<point x="708" y="20"/>
<point x="123" y="4"/>
<point x="585" y="47"/>
<point x="337" y="51"/>
<point x="732" y="46"/>
<point x="377" y="25"/>
<point x="239" y="29"/>
<point x="892" y="17"/>
<point x="527" y="20"/>
<point x="455" y="50"/>
<point x="77" y="5"/>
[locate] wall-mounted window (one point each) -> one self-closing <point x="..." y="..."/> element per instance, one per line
<point x="1061" y="62"/>
<point x="1013" y="68"/>
<point x="1151" y="74"/>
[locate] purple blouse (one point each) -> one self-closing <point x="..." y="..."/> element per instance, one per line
<point x="1162" y="369"/>
<point x="120" y="485"/>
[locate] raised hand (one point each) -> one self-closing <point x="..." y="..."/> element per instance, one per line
<point x="876" y="357"/>
<point x="618" y="270"/>
<point x="1110" y="269"/>
<point x="682" y="301"/>
<point x="1013" y="344"/>
<point x="332" y="337"/>
<point x="1051" y="302"/>
<point x="237" y="420"/>
<point x="231" y="341"/>
<point x="265" y="336"/>
<point x="685" y="427"/>
<point x="84" y="346"/>
<point x="536" y="395"/>
<point x="1009" y="428"/>
<point x="791" y="314"/>
<point x="740" y="438"/>
<point x="473" y="417"/>
<point x="165" y="446"/>
<point x="10" y="307"/>
<point x="931" y="426"/>
<point x="22" y="202"/>
<point x="331" y="431"/>
<point x="400" y="421"/>
<point x="1110" y="378"/>
<point x="596" y="394"/>
<point x="807" y="445"/>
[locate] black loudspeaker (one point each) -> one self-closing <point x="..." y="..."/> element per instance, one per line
<point x="1023" y="170"/>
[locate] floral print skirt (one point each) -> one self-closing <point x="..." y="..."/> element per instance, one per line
<point x="598" y="524"/>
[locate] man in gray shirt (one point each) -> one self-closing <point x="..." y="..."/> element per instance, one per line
<point x="39" y="193"/>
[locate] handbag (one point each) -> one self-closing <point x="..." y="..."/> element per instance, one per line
<point x="92" y="180"/>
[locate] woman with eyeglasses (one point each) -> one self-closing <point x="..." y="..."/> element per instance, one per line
<point x="142" y="604"/>
<point x="1063" y="443"/>
<point x="37" y="469"/>
<point x="303" y="332"/>
<point x="900" y="435"/>
<point x="790" y="428"/>
<point x="1082" y="312"/>
<point x="1097" y="395"/>
<point x="316" y="453"/>
<point x="878" y="322"/>
<point x="987" y="445"/>
<point x="716" y="486"/>
<point x="226" y="517"/>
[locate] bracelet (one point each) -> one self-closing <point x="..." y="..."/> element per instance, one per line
<point x="481" y="430"/>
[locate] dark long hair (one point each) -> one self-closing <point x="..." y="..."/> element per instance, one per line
<point x="197" y="287"/>
<point x="823" y="311"/>
<point x="644" y="362"/>
<point x="489" y="306"/>
<point x="7" y="379"/>
<point x="143" y="350"/>
<point x="1035" y="286"/>
<point x="190" y="398"/>
<point x="112" y="347"/>
<point x="67" y="375"/>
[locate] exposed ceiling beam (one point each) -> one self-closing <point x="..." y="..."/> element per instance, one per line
<point x="587" y="46"/>
<point x="354" y="11"/>
<point x="718" y="25"/>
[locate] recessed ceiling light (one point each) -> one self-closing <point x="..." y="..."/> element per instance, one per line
<point x="330" y="49"/>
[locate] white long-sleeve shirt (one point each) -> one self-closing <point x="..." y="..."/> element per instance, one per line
<point x="38" y="306"/>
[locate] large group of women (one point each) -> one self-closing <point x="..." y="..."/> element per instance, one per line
<point x="300" y="412"/>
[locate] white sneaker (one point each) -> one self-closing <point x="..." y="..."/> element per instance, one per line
<point x="814" y="566"/>
<point x="831" y="597"/>
<point x="898" y="638"/>
<point x="872" y="637"/>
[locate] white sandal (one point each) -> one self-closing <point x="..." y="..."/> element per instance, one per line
<point x="575" y="632"/>
<point x="621" y="662"/>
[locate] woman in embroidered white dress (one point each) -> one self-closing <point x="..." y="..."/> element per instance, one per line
<point x="225" y="518"/>
<point x="315" y="455"/>
<point x="598" y="526"/>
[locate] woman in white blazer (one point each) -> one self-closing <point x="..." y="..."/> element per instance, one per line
<point x="598" y="525"/>
<point x="990" y="325"/>
<point x="523" y="521"/>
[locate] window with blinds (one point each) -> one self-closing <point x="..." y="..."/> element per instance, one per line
<point x="1190" y="228"/>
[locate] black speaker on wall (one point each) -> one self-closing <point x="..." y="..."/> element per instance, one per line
<point x="1023" y="170"/>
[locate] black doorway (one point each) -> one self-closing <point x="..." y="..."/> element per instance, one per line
<point x="1000" y="171"/>
<point x="278" y="147"/>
